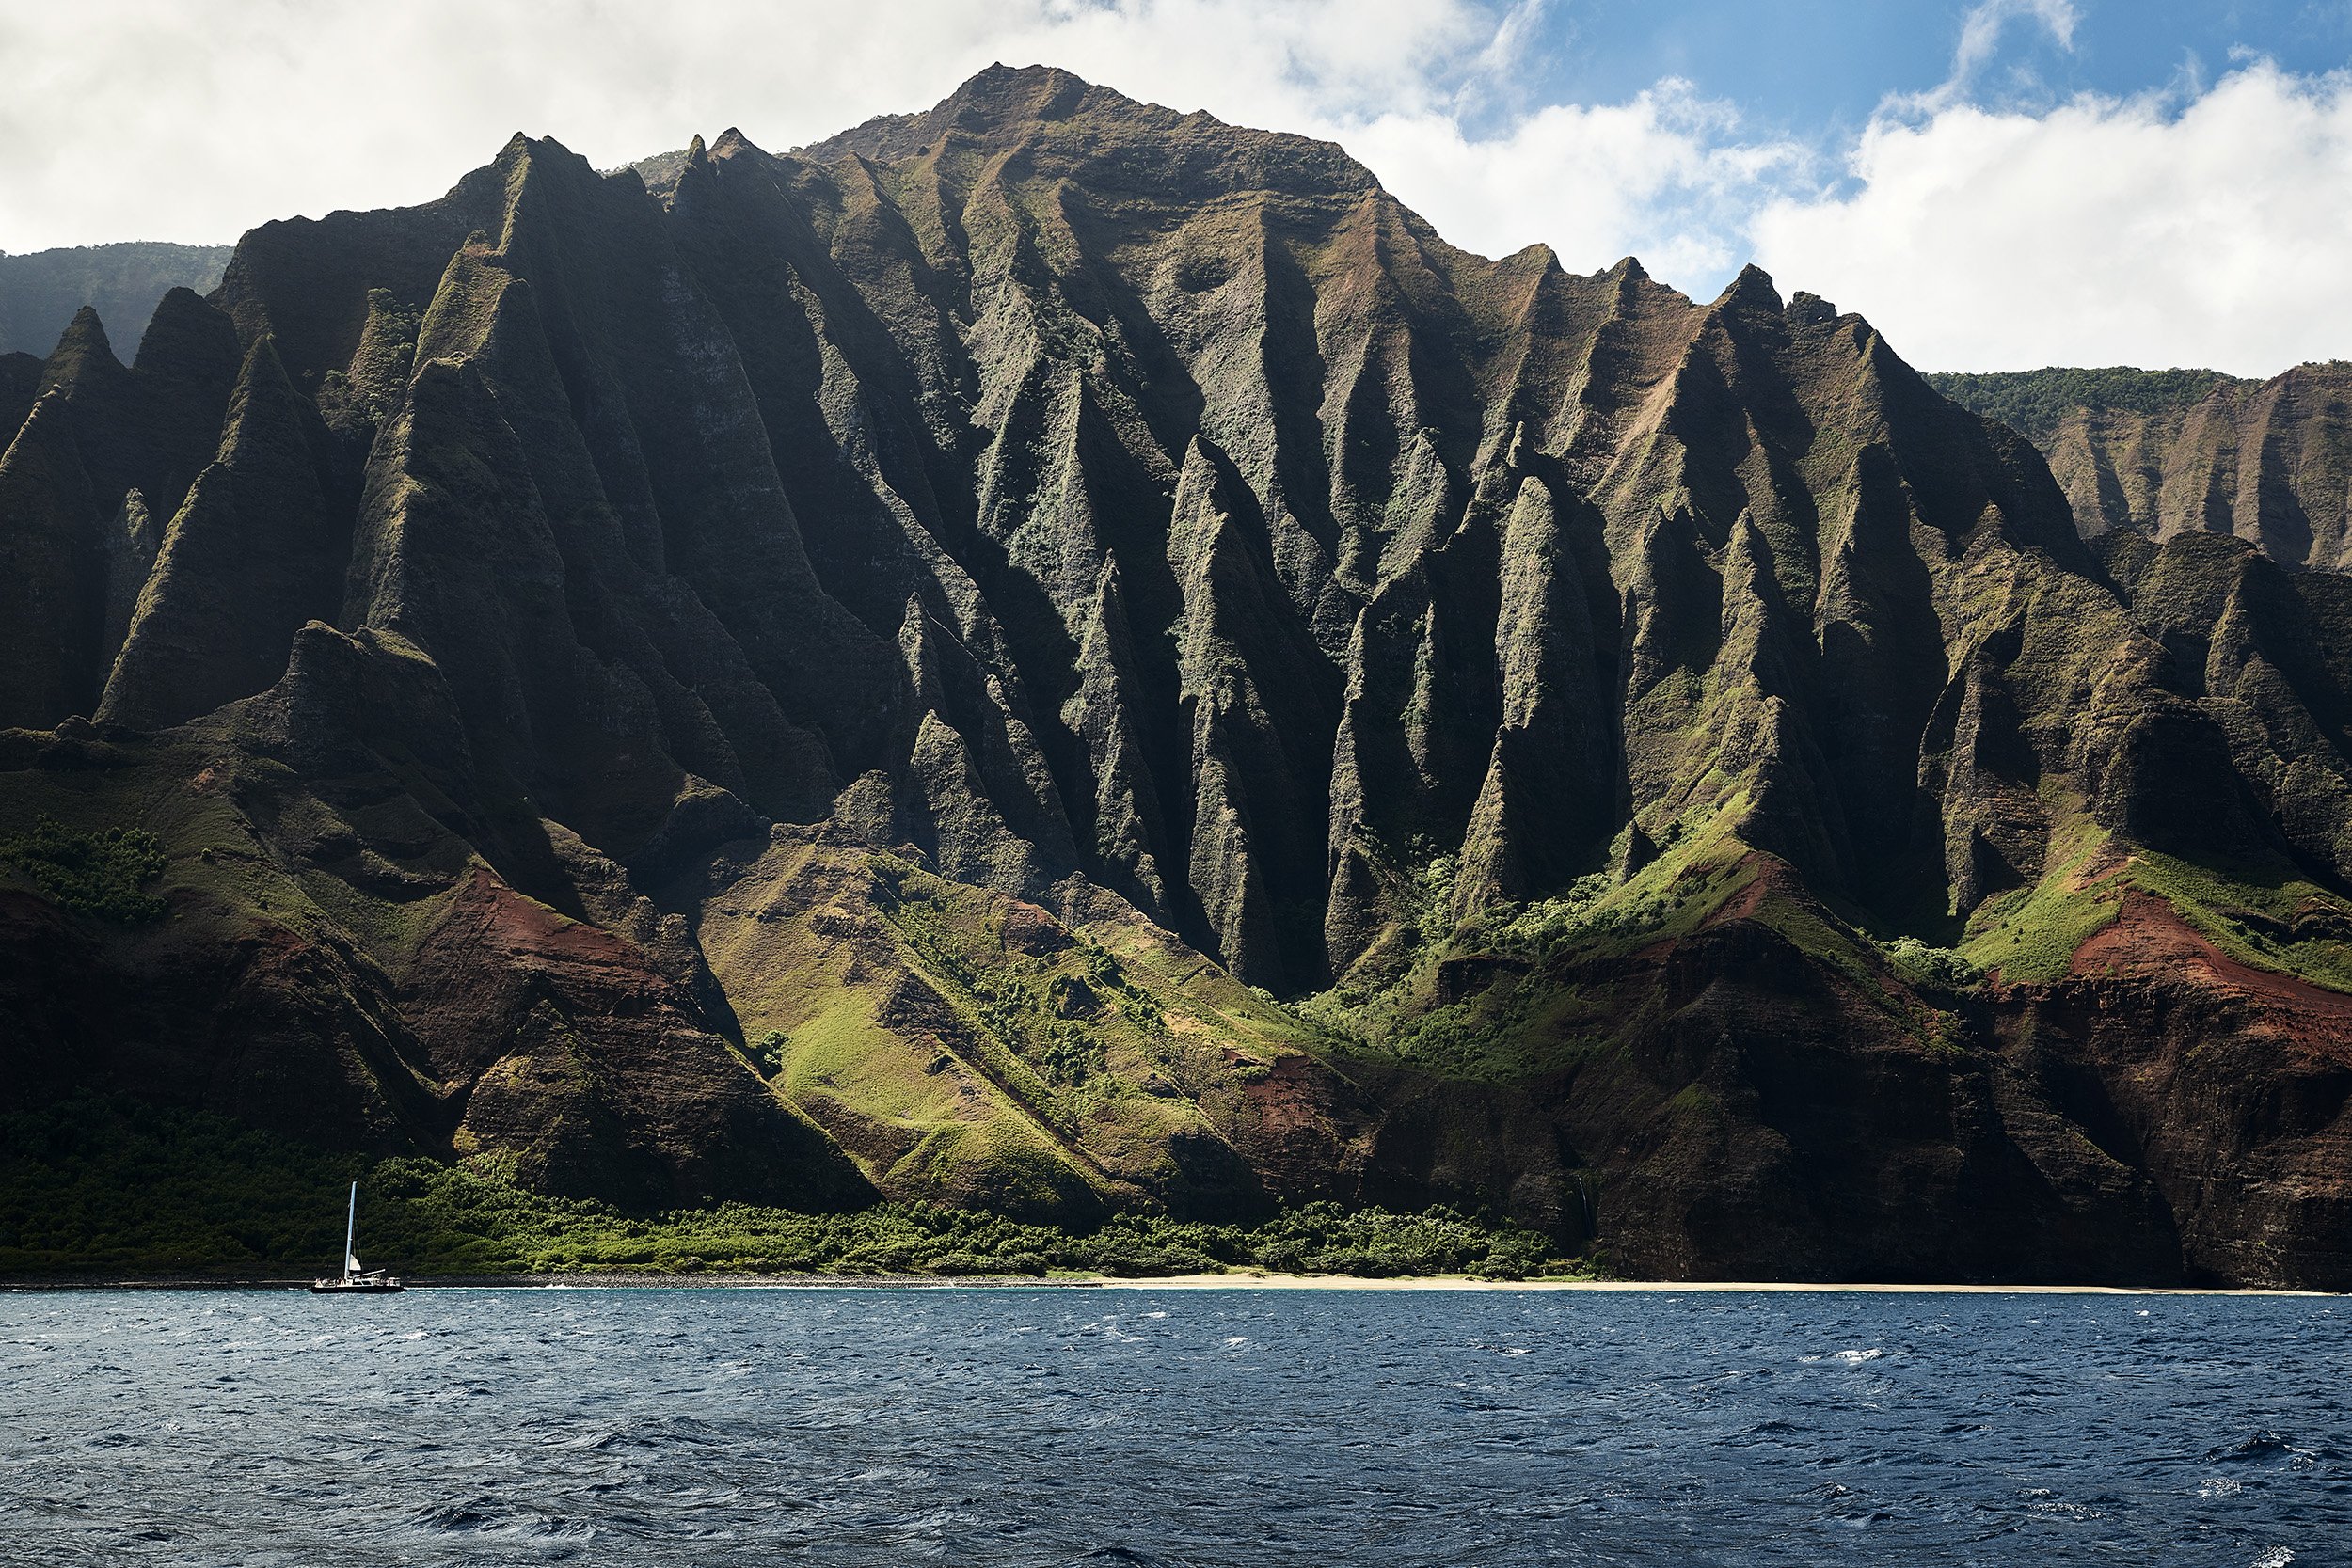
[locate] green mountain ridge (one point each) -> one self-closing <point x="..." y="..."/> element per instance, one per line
<point x="2164" y="452"/>
<point x="2036" y="402"/>
<point x="1066" y="661"/>
<point x="40" y="290"/>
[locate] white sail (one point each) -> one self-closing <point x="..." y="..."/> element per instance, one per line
<point x="357" y="1275"/>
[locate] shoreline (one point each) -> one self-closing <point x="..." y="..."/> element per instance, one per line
<point x="1249" y="1281"/>
<point x="1238" y="1279"/>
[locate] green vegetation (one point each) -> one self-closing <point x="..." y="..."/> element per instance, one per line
<point x="768" y="1051"/>
<point x="2263" y="920"/>
<point x="996" y="1059"/>
<point x="1931" y="968"/>
<point x="2033" y="403"/>
<point x="1482" y="998"/>
<point x="368" y="393"/>
<point x="1029" y="1020"/>
<point x="463" y="1221"/>
<point x="2029" y="935"/>
<point x="115" y="1186"/>
<point x="99" y="874"/>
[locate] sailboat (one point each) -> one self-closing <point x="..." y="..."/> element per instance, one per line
<point x="354" y="1276"/>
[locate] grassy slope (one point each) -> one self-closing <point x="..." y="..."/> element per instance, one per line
<point x="965" y="1046"/>
<point x="1533" y="1012"/>
<point x="2029" y="935"/>
<point x="1039" y="1058"/>
<point x="1397" y="1006"/>
<point x="1044" y="1068"/>
<point x="2261" y="917"/>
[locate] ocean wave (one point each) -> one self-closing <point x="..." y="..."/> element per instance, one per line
<point x="2262" y="1448"/>
<point x="1342" y="1430"/>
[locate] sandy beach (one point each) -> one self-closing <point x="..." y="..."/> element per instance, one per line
<point x="1237" y="1279"/>
<point x="1245" y="1280"/>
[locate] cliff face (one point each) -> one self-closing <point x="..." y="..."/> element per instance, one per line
<point x="2168" y="452"/>
<point x="839" y="673"/>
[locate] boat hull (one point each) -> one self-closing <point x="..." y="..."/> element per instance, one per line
<point x="355" y="1287"/>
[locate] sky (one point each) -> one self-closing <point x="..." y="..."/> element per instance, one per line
<point x="1997" y="184"/>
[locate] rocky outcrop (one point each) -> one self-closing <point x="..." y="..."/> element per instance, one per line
<point x="111" y="450"/>
<point x="1550" y="799"/>
<point x="2226" y="1084"/>
<point x="252" y="555"/>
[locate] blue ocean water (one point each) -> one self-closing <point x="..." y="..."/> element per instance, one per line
<point x="1003" y="1426"/>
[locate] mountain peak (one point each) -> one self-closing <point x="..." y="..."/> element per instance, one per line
<point x="186" y="337"/>
<point x="85" y="333"/>
<point x="1752" y="290"/>
<point x="82" y="353"/>
<point x="1094" y="134"/>
<point x="1020" y="83"/>
<point x="999" y="99"/>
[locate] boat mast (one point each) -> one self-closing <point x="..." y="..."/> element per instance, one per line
<point x="351" y="1226"/>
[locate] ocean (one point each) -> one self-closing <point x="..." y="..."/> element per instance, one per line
<point x="1166" y="1426"/>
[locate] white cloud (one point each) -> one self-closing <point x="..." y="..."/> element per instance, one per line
<point x="2208" y="225"/>
<point x="191" y="120"/>
<point x="167" y="119"/>
<point x="1660" y="178"/>
<point x="1981" y="35"/>
<point x="2142" y="230"/>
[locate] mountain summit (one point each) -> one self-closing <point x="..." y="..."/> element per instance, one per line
<point x="1055" y="655"/>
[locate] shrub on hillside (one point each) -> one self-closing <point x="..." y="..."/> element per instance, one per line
<point x="99" y="874"/>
